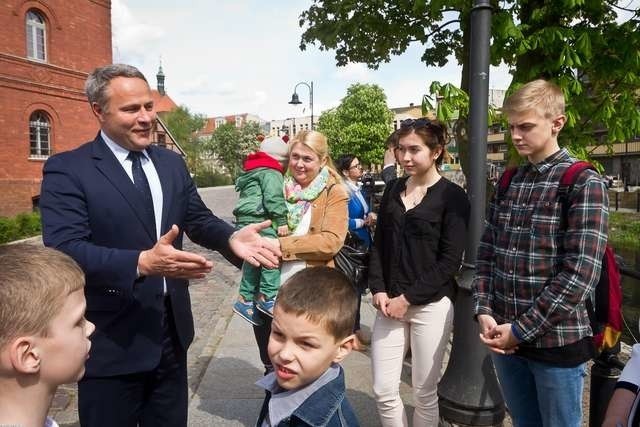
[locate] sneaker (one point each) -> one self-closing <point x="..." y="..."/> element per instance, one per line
<point x="266" y="306"/>
<point x="247" y="311"/>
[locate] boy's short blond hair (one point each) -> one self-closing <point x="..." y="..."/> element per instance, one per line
<point x="540" y="95"/>
<point x="34" y="282"/>
<point x="323" y="295"/>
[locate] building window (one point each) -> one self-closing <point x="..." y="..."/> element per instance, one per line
<point x="503" y="148"/>
<point x="162" y="140"/>
<point x="36" y="36"/>
<point x="219" y="122"/>
<point x="39" y="135"/>
<point x="238" y="121"/>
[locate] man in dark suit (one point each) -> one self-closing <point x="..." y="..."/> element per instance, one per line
<point x="119" y="206"/>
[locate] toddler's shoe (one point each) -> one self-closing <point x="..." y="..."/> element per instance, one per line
<point x="266" y="306"/>
<point x="247" y="311"/>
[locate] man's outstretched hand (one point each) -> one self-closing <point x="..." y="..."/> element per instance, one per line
<point x="249" y="245"/>
<point x="165" y="260"/>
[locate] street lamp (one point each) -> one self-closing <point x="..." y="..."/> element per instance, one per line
<point x="295" y="100"/>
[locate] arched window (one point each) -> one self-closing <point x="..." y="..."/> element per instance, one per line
<point x="39" y="135"/>
<point x="36" y="36"/>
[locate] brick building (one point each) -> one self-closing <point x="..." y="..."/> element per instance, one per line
<point x="47" y="48"/>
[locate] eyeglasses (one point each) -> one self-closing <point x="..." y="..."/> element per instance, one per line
<point x="359" y="166"/>
<point x="416" y="123"/>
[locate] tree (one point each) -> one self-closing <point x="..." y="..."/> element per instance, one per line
<point x="360" y="124"/>
<point x="579" y="44"/>
<point x="183" y="124"/>
<point x="231" y="144"/>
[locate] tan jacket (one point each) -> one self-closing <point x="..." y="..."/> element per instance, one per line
<point x="327" y="230"/>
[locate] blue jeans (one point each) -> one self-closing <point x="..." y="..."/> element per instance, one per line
<point x="538" y="394"/>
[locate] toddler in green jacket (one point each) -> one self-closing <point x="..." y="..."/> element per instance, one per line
<point x="261" y="197"/>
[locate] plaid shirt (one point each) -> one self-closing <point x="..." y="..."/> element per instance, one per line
<point x="534" y="270"/>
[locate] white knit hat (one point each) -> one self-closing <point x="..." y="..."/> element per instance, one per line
<point x="275" y="147"/>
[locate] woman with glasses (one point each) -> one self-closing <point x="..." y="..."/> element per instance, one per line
<point x="420" y="237"/>
<point x="360" y="219"/>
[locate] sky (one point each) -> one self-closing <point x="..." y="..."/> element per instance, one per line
<point x="225" y="57"/>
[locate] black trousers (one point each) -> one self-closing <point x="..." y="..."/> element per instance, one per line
<point x="155" y="398"/>
<point x="262" y="333"/>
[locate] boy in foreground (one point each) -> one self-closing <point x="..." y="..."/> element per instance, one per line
<point x="44" y="337"/>
<point x="536" y="267"/>
<point x="312" y="331"/>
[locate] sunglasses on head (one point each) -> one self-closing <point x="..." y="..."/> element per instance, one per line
<point x="416" y="123"/>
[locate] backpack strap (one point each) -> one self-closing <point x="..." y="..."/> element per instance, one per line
<point x="567" y="181"/>
<point x="505" y="181"/>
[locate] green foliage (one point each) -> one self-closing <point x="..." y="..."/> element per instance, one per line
<point x="624" y="229"/>
<point x="582" y="45"/>
<point x="183" y="124"/>
<point x="19" y="227"/>
<point x="359" y="125"/>
<point x="371" y="32"/>
<point x="231" y="144"/>
<point x="211" y="178"/>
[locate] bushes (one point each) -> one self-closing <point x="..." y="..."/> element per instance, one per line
<point x="20" y="227"/>
<point x="210" y="178"/>
<point x="624" y="229"/>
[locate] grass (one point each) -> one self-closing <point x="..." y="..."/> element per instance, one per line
<point x="19" y="227"/>
<point x="624" y="230"/>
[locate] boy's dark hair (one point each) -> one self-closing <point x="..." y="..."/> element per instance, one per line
<point x="323" y="295"/>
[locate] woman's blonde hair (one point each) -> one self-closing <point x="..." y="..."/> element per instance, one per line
<point x="316" y="142"/>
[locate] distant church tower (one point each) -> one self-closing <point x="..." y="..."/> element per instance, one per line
<point x="160" y="80"/>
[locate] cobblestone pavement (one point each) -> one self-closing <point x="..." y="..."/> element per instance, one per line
<point x="211" y="300"/>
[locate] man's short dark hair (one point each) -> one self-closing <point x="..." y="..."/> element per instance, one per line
<point x="96" y="85"/>
<point x="323" y="295"/>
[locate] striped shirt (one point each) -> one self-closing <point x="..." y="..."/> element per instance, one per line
<point x="535" y="269"/>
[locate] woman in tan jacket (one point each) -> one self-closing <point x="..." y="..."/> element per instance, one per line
<point x="318" y="215"/>
<point x="317" y="203"/>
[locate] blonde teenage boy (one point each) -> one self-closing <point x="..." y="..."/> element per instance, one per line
<point x="44" y="337"/>
<point x="535" y="268"/>
<point x="312" y="331"/>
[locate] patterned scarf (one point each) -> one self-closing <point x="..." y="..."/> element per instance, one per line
<point x="298" y="199"/>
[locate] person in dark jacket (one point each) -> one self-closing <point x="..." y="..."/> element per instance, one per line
<point x="420" y="237"/>
<point x="389" y="172"/>
<point x="312" y="331"/>
<point x="261" y="188"/>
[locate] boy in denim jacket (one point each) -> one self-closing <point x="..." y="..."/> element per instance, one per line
<point x="312" y="331"/>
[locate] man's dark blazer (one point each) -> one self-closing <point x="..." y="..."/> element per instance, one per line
<point x="92" y="211"/>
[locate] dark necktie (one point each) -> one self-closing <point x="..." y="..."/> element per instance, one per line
<point x="142" y="184"/>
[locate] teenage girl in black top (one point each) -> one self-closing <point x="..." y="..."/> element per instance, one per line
<point x="420" y="237"/>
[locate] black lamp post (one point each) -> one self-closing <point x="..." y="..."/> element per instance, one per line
<point x="295" y="99"/>
<point x="469" y="391"/>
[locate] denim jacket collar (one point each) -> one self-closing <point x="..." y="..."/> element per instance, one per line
<point x="323" y="404"/>
<point x="320" y="408"/>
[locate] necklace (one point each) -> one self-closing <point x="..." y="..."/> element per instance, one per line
<point x="416" y="199"/>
